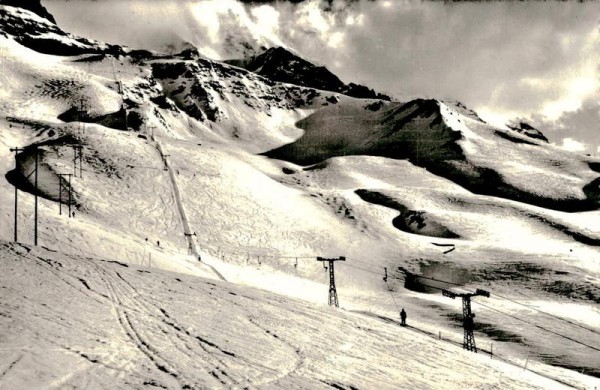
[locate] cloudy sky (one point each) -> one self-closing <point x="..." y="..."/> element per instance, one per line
<point x="539" y="61"/>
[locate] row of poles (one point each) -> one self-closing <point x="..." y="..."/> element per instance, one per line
<point x="63" y="185"/>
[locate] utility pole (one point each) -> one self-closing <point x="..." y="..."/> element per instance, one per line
<point x="35" y="229"/>
<point x="60" y="193"/>
<point x="16" y="150"/>
<point x="77" y="155"/>
<point x="468" y="316"/>
<point x="82" y="111"/>
<point x="61" y="188"/>
<point x="35" y="193"/>
<point x="70" y="197"/>
<point x="333" y="299"/>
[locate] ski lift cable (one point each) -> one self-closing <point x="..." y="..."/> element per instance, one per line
<point x="434" y="287"/>
<point x="530" y="323"/>
<point x="540" y="327"/>
<point x="367" y="263"/>
<point x="518" y="303"/>
<point x="393" y="298"/>
<point x="549" y="314"/>
<point x="481" y="304"/>
<point x="362" y="269"/>
<point x="439" y="280"/>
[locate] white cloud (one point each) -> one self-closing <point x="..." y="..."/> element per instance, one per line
<point x="572" y="145"/>
<point x="266" y="21"/>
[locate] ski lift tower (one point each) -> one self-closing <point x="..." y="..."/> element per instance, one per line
<point x="468" y="323"/>
<point x="333" y="298"/>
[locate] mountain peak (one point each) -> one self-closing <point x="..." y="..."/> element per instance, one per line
<point x="34" y="6"/>
<point x="526" y="129"/>
<point x="279" y="64"/>
<point x="28" y="23"/>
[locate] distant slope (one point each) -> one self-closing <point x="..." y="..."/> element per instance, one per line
<point x="454" y="143"/>
<point x="413" y="130"/>
<point x="279" y="64"/>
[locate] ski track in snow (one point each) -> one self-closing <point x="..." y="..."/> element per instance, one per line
<point x="160" y="333"/>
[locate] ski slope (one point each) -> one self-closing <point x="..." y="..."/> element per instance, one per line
<point x="80" y="322"/>
<point x="260" y="222"/>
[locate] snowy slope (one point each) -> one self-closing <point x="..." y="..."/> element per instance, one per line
<point x="107" y="324"/>
<point x="261" y="222"/>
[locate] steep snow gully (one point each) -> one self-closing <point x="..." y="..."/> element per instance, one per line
<point x="192" y="246"/>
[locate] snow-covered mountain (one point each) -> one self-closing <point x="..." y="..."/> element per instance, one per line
<point x="186" y="159"/>
<point x="281" y="65"/>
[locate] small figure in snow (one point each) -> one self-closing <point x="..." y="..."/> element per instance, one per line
<point x="157" y="243"/>
<point x="403" y="317"/>
<point x="73" y="214"/>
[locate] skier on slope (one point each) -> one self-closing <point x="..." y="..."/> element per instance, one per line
<point x="403" y="317"/>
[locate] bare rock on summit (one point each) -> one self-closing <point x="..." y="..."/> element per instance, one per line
<point x="279" y="64"/>
<point x="528" y="130"/>
<point x="34" y="6"/>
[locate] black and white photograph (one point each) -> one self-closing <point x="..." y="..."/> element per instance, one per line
<point x="299" y="194"/>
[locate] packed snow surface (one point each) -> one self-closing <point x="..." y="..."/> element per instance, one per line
<point x="79" y="322"/>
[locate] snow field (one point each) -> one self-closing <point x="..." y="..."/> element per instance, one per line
<point x="108" y="324"/>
